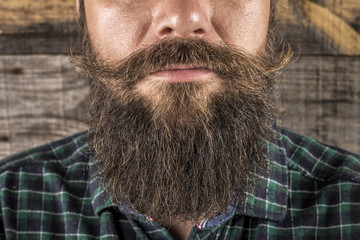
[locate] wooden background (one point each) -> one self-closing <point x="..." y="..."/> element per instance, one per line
<point x="43" y="97"/>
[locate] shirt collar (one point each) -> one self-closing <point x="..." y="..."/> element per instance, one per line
<point x="267" y="201"/>
<point x="270" y="196"/>
<point x="100" y="199"/>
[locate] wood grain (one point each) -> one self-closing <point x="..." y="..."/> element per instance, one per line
<point x="321" y="96"/>
<point x="321" y="27"/>
<point x="37" y="26"/>
<point x="314" y="27"/>
<point x="43" y="97"/>
<point x="334" y="27"/>
<point x="30" y="16"/>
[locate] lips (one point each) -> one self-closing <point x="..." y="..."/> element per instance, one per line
<point x="181" y="73"/>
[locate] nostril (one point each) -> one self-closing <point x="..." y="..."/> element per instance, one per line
<point x="166" y="31"/>
<point x="199" y="31"/>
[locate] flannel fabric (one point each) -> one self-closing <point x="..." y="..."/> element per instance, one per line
<point x="312" y="192"/>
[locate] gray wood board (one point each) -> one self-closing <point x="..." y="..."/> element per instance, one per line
<point x="43" y="98"/>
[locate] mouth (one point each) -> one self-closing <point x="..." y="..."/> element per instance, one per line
<point x="181" y="73"/>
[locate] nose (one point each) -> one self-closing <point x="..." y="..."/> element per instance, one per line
<point x="182" y="18"/>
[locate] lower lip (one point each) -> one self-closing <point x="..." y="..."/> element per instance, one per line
<point x="182" y="75"/>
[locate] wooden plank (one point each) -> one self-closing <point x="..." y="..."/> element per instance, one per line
<point x="314" y="27"/>
<point x="43" y="97"/>
<point x="49" y="43"/>
<point x="321" y="96"/>
<point x="337" y="33"/>
<point x="37" y="26"/>
<point x="19" y="16"/>
<point x="348" y="10"/>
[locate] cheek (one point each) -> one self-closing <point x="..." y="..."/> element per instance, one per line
<point x="115" y="32"/>
<point x="246" y="26"/>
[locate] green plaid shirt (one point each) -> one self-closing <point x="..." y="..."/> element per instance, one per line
<point x="312" y="192"/>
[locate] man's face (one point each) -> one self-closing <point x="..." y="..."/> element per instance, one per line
<point x="181" y="101"/>
<point x="118" y="28"/>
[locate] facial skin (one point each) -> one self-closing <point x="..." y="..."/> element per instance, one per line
<point x="181" y="101"/>
<point x="120" y="27"/>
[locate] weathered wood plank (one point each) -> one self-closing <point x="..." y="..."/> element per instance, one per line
<point x="337" y="30"/>
<point x="321" y="95"/>
<point x="348" y="10"/>
<point x="314" y="27"/>
<point x="43" y="98"/>
<point x="19" y="16"/>
<point x="37" y="26"/>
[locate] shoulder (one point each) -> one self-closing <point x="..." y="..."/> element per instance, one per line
<point x="318" y="160"/>
<point x="64" y="153"/>
<point x="45" y="184"/>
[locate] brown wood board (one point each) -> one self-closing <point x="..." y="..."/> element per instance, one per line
<point x="43" y="98"/>
<point x="313" y="27"/>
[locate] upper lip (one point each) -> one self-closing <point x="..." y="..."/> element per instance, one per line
<point x="180" y="67"/>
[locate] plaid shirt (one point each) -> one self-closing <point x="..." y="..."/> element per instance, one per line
<point x="312" y="192"/>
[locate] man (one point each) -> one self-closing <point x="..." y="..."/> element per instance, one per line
<point x="183" y="141"/>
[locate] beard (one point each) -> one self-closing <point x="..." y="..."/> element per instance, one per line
<point x="181" y="151"/>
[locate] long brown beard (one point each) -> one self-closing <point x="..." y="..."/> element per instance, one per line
<point x="189" y="154"/>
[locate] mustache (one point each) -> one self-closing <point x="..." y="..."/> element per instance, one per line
<point x="225" y="61"/>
